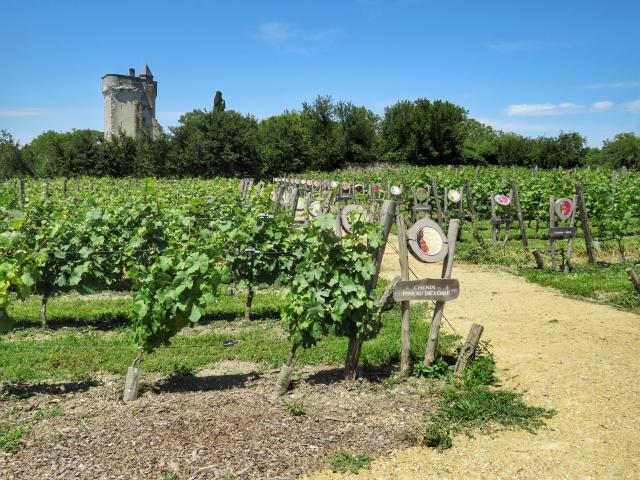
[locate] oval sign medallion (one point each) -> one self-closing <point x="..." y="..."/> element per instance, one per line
<point x="502" y="200"/>
<point x="564" y="208"/>
<point x="453" y="196"/>
<point x="422" y="194"/>
<point x="427" y="241"/>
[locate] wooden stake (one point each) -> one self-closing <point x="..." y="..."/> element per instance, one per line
<point x="584" y="219"/>
<point x="494" y="225"/>
<point x="516" y="201"/>
<point x="432" y="342"/>
<point x="572" y="223"/>
<point x="436" y="198"/>
<point x="468" y="350"/>
<point x="472" y="212"/>
<point x="552" y="224"/>
<point x="405" y="347"/>
<point x="633" y="276"/>
<point x="538" y="257"/>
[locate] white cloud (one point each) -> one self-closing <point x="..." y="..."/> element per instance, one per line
<point x="601" y="106"/>
<point x="526" y="46"/>
<point x="279" y="35"/>
<point x="633" y="107"/>
<point x="24" y="112"/>
<point x="598" y="86"/>
<point x="531" y="109"/>
<point x="552" y="109"/>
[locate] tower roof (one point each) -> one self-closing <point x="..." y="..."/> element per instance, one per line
<point x="146" y="72"/>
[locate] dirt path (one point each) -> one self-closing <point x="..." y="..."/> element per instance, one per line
<point x="577" y="357"/>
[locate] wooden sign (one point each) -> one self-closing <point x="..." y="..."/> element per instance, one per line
<point x="562" y="232"/>
<point x="502" y="200"/>
<point x="427" y="289"/>
<point x="352" y="213"/>
<point x="396" y="190"/>
<point x="454" y="196"/>
<point x="315" y="208"/>
<point x="564" y="208"/>
<point x="427" y="241"/>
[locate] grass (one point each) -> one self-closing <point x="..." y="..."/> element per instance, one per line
<point x="345" y="462"/>
<point x="74" y="354"/>
<point x="11" y="432"/>
<point x="479" y="408"/>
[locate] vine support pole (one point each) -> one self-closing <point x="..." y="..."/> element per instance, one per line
<point x="552" y="224"/>
<point x="355" y="344"/>
<point x="516" y="201"/>
<point x="472" y="212"/>
<point x="447" y="268"/>
<point x="405" y="346"/>
<point x="584" y="219"/>
<point x="436" y="198"/>
<point x="572" y="223"/>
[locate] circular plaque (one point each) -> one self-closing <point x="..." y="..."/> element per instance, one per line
<point x="334" y="184"/>
<point x="316" y="183"/>
<point x="427" y="241"/>
<point x="502" y="200"/>
<point x="304" y="182"/>
<point x="564" y="208"/>
<point x="453" y="196"/>
<point x="314" y="208"/>
<point x="325" y="184"/>
<point x="358" y="187"/>
<point x="350" y="213"/>
<point x="376" y="188"/>
<point x="395" y="190"/>
<point x="345" y="186"/>
<point x="422" y="194"/>
<point x="297" y="181"/>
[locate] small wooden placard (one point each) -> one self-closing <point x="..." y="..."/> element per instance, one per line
<point x="432" y="289"/>
<point x="562" y="232"/>
<point x="498" y="220"/>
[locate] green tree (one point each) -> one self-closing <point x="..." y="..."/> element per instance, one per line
<point x="480" y="142"/>
<point x="622" y="151"/>
<point x="358" y="129"/>
<point x="218" y="102"/>
<point x="320" y="122"/>
<point x="285" y="145"/>
<point x="215" y="144"/>
<point x="12" y="163"/>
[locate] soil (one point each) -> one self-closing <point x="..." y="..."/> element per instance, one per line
<point x="576" y="357"/>
<point x="217" y="423"/>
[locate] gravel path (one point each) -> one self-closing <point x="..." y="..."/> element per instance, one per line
<point x="577" y="357"/>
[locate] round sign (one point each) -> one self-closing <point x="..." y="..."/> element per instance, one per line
<point x="334" y="184"/>
<point x="395" y="190"/>
<point x="358" y="187"/>
<point x="345" y="185"/>
<point x="453" y="196"/>
<point x="297" y="181"/>
<point x="316" y="183"/>
<point x="352" y="213"/>
<point x="376" y="188"/>
<point x="502" y="200"/>
<point x="427" y="241"/>
<point x="304" y="182"/>
<point x="314" y="208"/>
<point x="422" y="194"/>
<point x="564" y="208"/>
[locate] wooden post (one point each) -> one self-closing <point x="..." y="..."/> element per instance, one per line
<point x="405" y="347"/>
<point x="472" y="212"/>
<point x="46" y="189"/>
<point x="507" y="227"/>
<point x="538" y="257"/>
<point x="552" y="224"/>
<point x="516" y="201"/>
<point x="447" y="267"/>
<point x="633" y="276"/>
<point x="386" y="300"/>
<point x="64" y="186"/>
<point x="294" y="203"/>
<point x="494" y="227"/>
<point x="279" y="195"/>
<point x="445" y="199"/>
<point x="355" y="344"/>
<point x="584" y="219"/>
<point x="572" y="223"/>
<point x="468" y="350"/>
<point x="21" y="192"/>
<point x="436" y="198"/>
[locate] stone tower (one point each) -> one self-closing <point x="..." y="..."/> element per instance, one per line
<point x="130" y="104"/>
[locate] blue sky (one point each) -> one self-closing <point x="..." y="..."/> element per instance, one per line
<point x="535" y="67"/>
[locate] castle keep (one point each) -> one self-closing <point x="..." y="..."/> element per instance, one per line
<point x="130" y="104"/>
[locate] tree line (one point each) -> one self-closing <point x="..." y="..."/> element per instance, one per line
<point x="322" y="135"/>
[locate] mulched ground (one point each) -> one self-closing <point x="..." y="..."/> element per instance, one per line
<point x="216" y="424"/>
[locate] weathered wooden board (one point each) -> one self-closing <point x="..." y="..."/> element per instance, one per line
<point x="432" y="289"/>
<point x="562" y="232"/>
